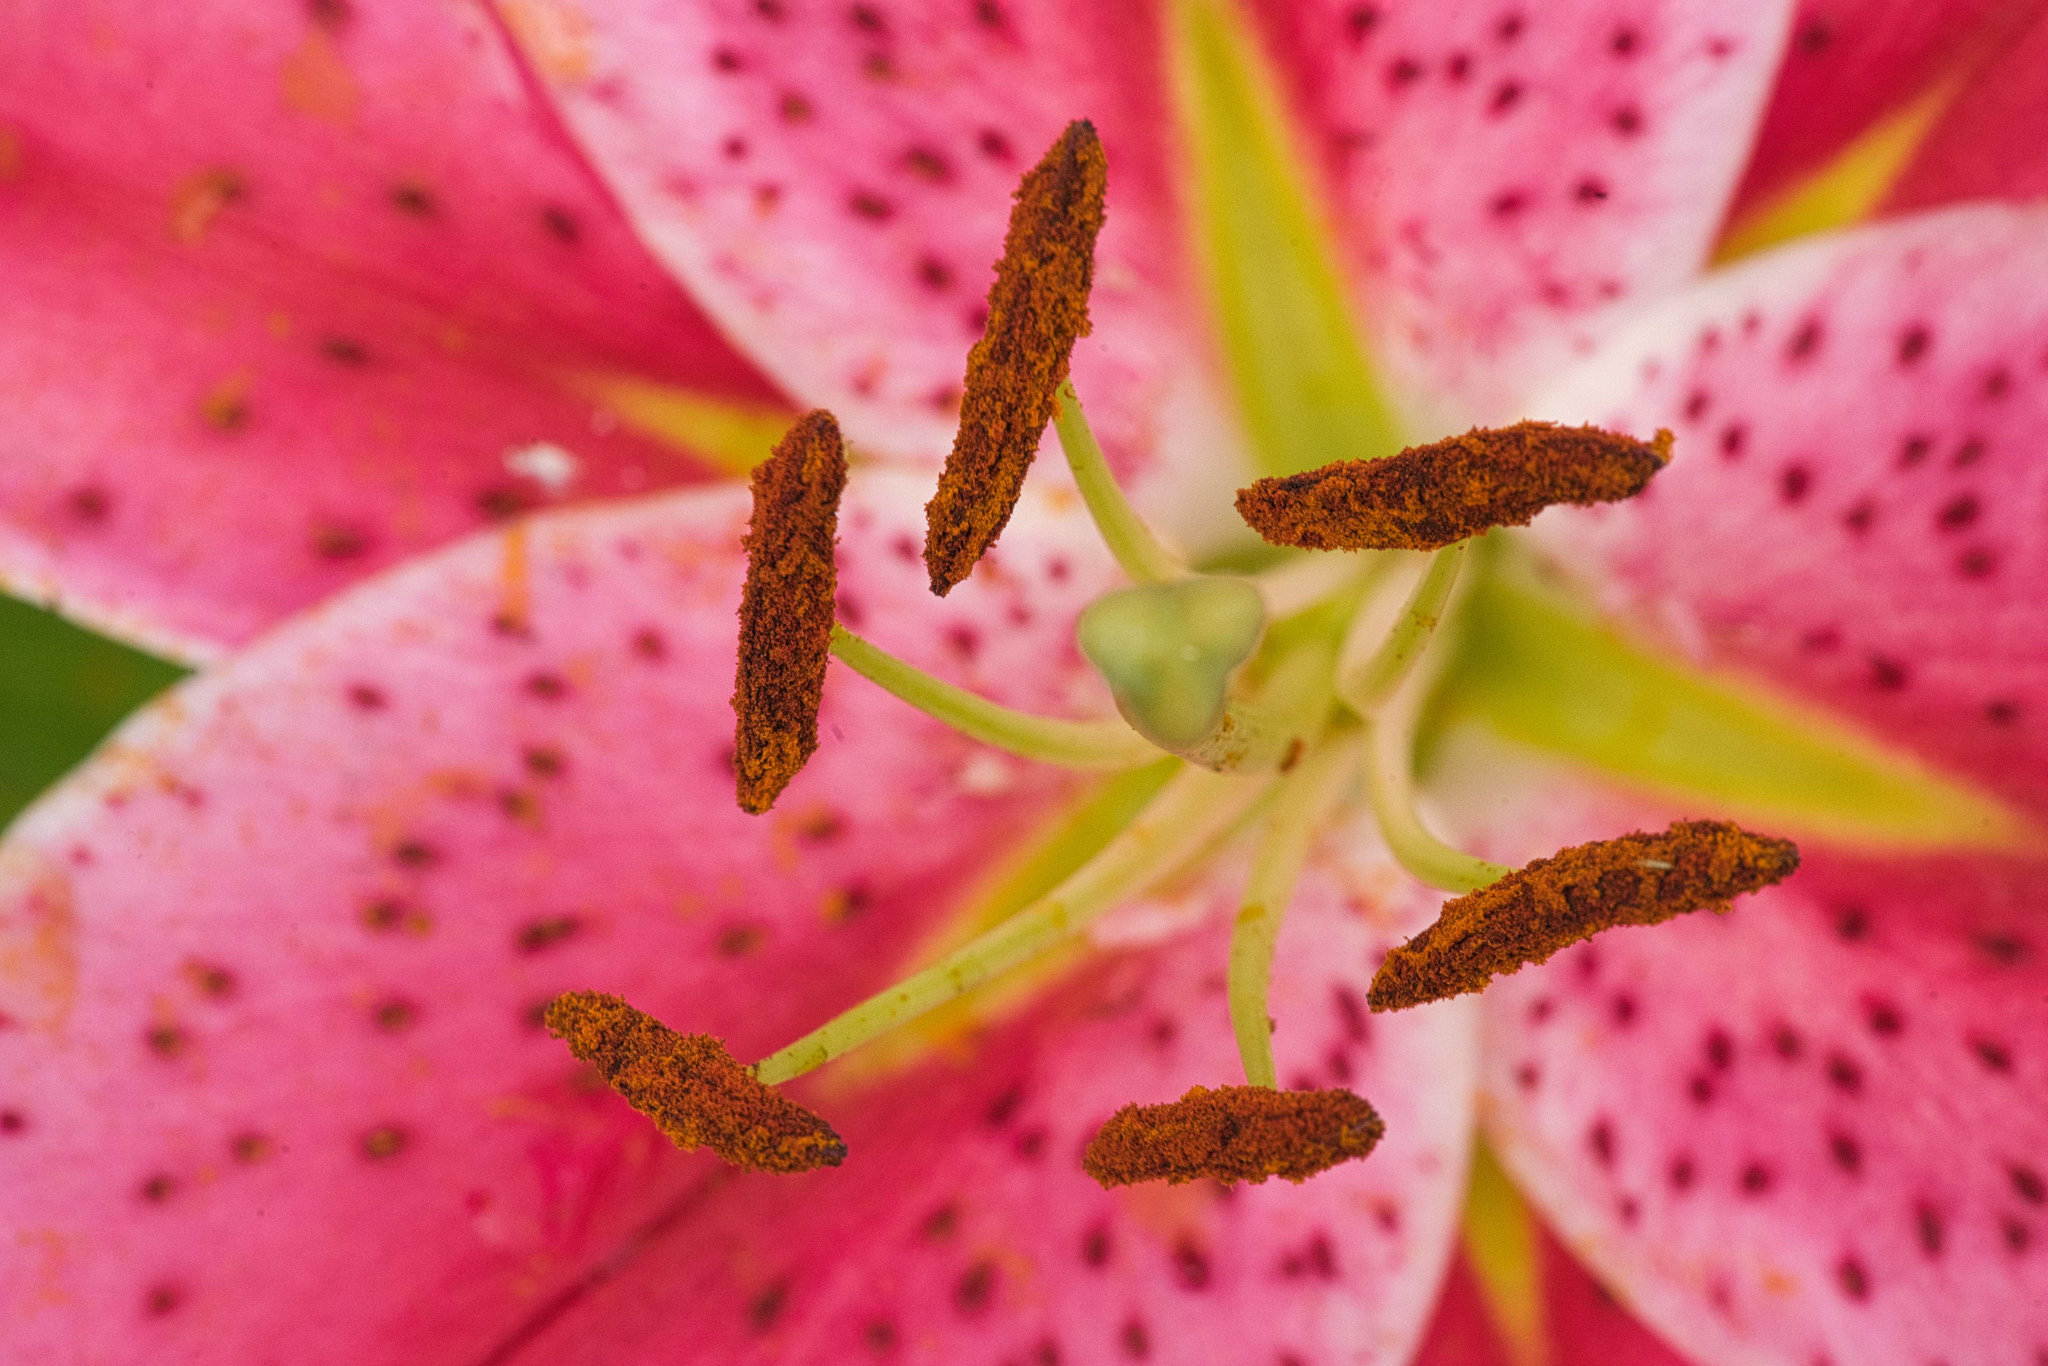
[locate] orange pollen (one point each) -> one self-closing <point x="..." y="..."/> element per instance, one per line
<point x="786" y="608"/>
<point x="1638" y="879"/>
<point x="1430" y="496"/>
<point x="691" y="1087"/>
<point x="1037" y="306"/>
<point x="1233" y="1133"/>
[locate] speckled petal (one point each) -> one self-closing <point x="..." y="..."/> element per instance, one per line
<point x="1506" y="176"/>
<point x="962" y="1228"/>
<point x="293" y="293"/>
<point x="272" y="1076"/>
<point x="833" y="184"/>
<point x="1807" y="1131"/>
<point x="1855" y="505"/>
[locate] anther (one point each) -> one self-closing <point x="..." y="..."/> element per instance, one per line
<point x="1637" y="879"/>
<point x="1432" y="496"/>
<point x="786" y="608"/>
<point x="1233" y="1133"/>
<point x="691" y="1087"/>
<point x="1037" y="306"/>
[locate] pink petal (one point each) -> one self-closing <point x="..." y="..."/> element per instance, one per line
<point x="1582" y="1321"/>
<point x="1990" y="142"/>
<point x="1505" y="175"/>
<point x="961" y="1228"/>
<point x="833" y="185"/>
<point x="270" y="1080"/>
<point x="285" y="295"/>
<point x="1461" y="1330"/>
<point x="1850" y="63"/>
<point x="1807" y="1131"/>
<point x="1855" y="505"/>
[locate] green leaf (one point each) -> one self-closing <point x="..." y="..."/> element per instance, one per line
<point x="62" y="688"/>
<point x="1539" y="671"/>
<point x="1303" y="383"/>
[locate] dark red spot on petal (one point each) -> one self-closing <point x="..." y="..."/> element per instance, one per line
<point x="545" y="933"/>
<point x="385" y="1142"/>
<point x="976" y="1288"/>
<point x="1190" y="1264"/>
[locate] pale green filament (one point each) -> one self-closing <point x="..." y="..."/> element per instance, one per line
<point x="1137" y="550"/>
<point x="1300" y="803"/>
<point x="1366" y="680"/>
<point x="1169" y="651"/>
<point x="1195" y="809"/>
<point x="1073" y="744"/>
<point x="1390" y="762"/>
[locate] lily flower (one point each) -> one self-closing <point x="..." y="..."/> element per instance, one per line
<point x="277" y="964"/>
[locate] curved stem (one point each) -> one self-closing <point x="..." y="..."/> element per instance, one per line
<point x="1366" y="683"/>
<point x="1074" y="744"/>
<point x="1136" y="548"/>
<point x="1194" y="809"/>
<point x="1303" y="798"/>
<point x="1389" y="768"/>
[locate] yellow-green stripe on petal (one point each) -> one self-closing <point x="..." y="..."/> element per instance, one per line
<point x="1541" y="673"/>
<point x="1304" y="385"/>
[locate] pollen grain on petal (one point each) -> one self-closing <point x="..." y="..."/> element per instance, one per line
<point x="1636" y="879"/>
<point x="1430" y="496"/>
<point x="786" y="608"/>
<point x="1037" y="306"/>
<point x="691" y="1087"/>
<point x="1233" y="1133"/>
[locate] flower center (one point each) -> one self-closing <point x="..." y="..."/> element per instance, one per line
<point x="1270" y="696"/>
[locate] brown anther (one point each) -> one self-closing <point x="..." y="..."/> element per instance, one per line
<point x="1431" y="496"/>
<point x="1233" y="1133"/>
<point x="1638" y="879"/>
<point x="786" y="608"/>
<point x="691" y="1087"/>
<point x="1037" y="306"/>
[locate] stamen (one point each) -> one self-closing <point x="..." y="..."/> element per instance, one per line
<point x="1637" y="879"/>
<point x="1233" y="1133"/>
<point x="1431" y="496"/>
<point x="691" y="1087"/>
<point x="1366" y="680"/>
<point x="1074" y="744"/>
<point x="1412" y="657"/>
<point x="1193" y="811"/>
<point x="1037" y="306"/>
<point x="1137" y="550"/>
<point x="1304" y="798"/>
<point x="786" y="608"/>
